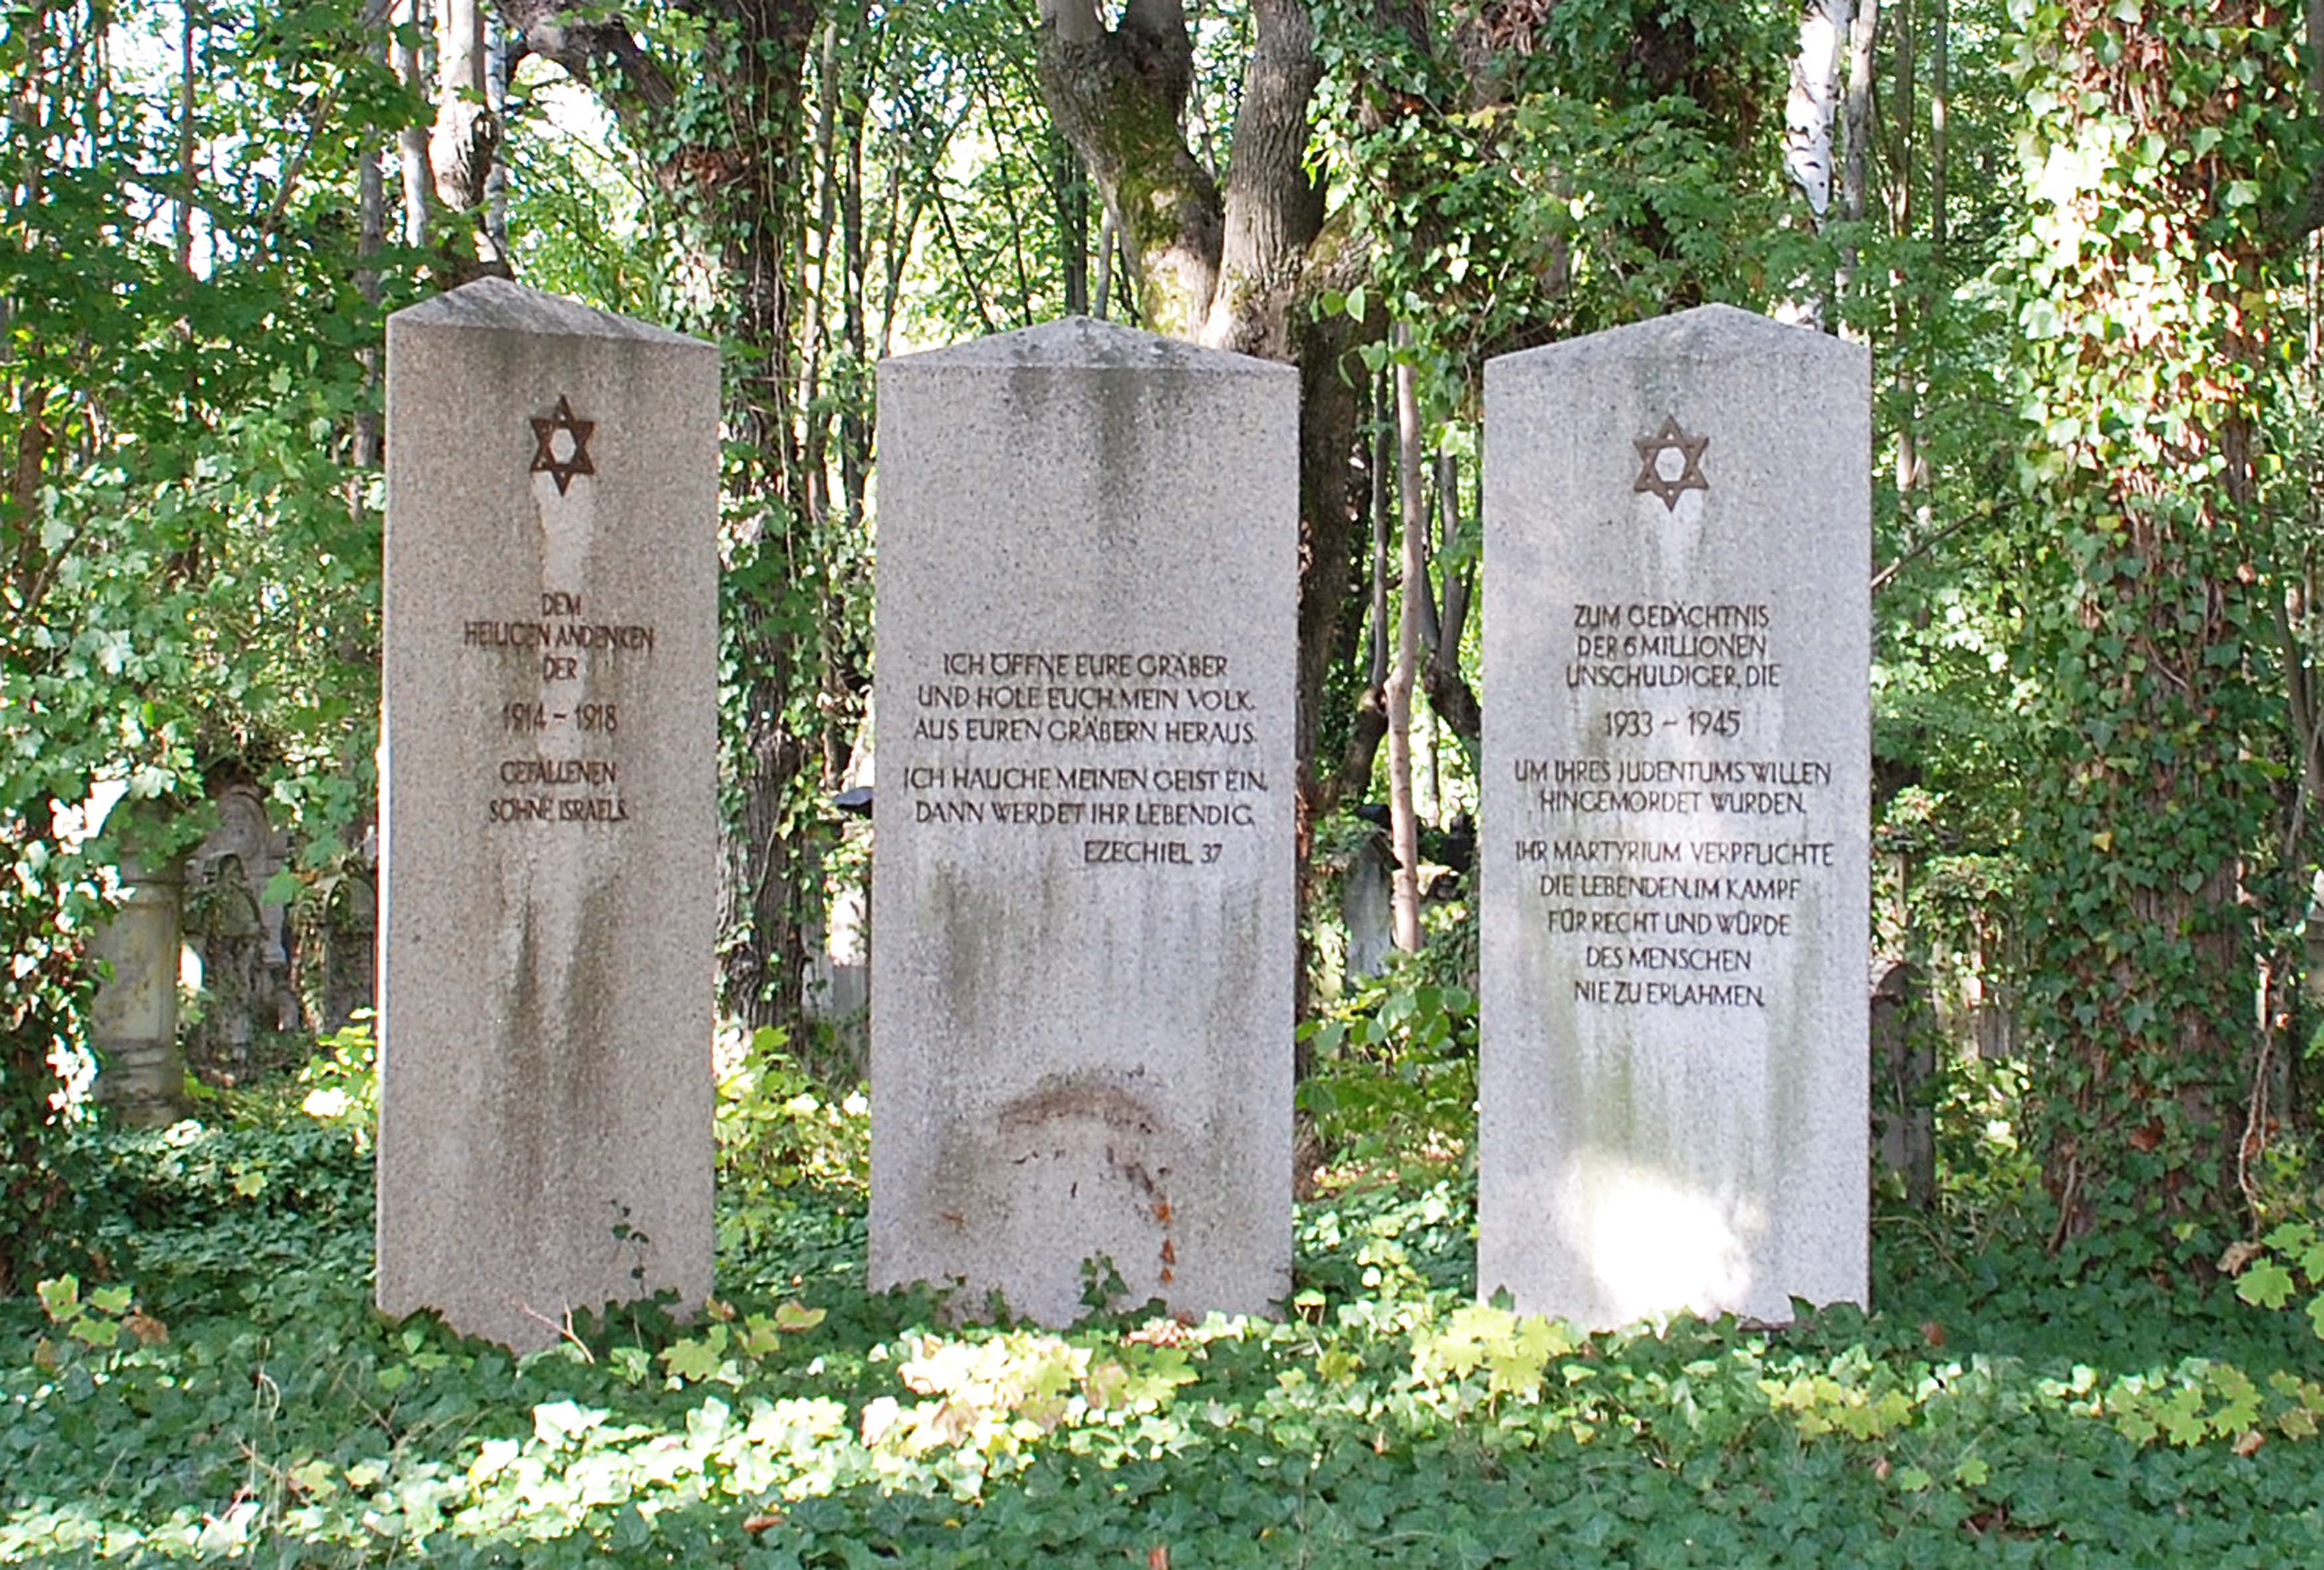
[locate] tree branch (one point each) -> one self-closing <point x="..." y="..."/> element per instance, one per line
<point x="600" y="54"/>
<point x="1118" y="97"/>
<point x="1273" y="209"/>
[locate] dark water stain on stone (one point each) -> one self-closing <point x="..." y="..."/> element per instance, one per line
<point x="1078" y="1168"/>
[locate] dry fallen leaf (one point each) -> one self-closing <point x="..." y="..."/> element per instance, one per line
<point x="2250" y="1441"/>
<point x="2238" y="1256"/>
<point x="1159" y="1333"/>
<point x="761" y="1521"/>
<point x="1158" y="1557"/>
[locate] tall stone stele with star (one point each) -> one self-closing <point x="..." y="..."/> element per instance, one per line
<point x="1672" y="1079"/>
<point x="550" y="813"/>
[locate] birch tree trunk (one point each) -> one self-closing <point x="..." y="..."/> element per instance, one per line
<point x="405" y="22"/>
<point x="446" y="164"/>
<point x="1808" y="111"/>
<point x="461" y="143"/>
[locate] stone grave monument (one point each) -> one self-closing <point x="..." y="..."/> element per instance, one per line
<point x="134" y="1017"/>
<point x="1081" y="890"/>
<point x="549" y="812"/>
<point x="1676" y="760"/>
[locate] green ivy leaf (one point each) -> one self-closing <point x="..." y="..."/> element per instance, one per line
<point x="2264" y="1284"/>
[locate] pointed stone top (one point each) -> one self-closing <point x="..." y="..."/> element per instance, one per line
<point x="496" y="304"/>
<point x="1085" y="344"/>
<point x="1701" y="331"/>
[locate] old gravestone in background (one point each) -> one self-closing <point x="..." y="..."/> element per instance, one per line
<point x="1676" y="759"/>
<point x="548" y="811"/>
<point x="1082" y="897"/>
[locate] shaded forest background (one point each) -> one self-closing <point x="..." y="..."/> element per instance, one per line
<point x="2080" y="239"/>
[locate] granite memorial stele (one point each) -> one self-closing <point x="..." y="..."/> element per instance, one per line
<point x="1674" y="1077"/>
<point x="550" y="814"/>
<point x="1082" y="886"/>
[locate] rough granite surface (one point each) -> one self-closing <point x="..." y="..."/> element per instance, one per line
<point x="1673" y="845"/>
<point x="548" y="804"/>
<point x="1082" y="901"/>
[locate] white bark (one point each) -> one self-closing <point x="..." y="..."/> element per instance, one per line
<point x="1808" y="112"/>
<point x="494" y="230"/>
<point x="412" y="141"/>
<point x="460" y="146"/>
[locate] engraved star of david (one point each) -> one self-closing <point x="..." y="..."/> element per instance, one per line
<point x="545" y="460"/>
<point x="1670" y="438"/>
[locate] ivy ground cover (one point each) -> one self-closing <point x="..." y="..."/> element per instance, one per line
<point x="218" y="1389"/>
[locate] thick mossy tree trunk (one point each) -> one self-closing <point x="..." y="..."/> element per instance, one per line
<point x="1237" y="265"/>
<point x="2154" y="147"/>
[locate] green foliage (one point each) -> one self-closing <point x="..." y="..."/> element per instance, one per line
<point x="263" y="1412"/>
<point x="780" y="1131"/>
<point x="1621" y="163"/>
<point x="2290" y="1263"/>
<point x="2145" y="282"/>
<point x="337" y="1084"/>
<point x="778" y="1126"/>
<point x="187" y="565"/>
<point x="1393" y="1063"/>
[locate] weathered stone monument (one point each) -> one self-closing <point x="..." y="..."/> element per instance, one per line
<point x="1677" y="762"/>
<point x="548" y="810"/>
<point x="1082" y="894"/>
<point x="242" y="935"/>
<point x="134" y="1018"/>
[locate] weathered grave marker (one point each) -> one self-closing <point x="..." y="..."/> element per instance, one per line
<point x="134" y="1018"/>
<point x="1677" y="759"/>
<point x="1081" y="890"/>
<point x="548" y="811"/>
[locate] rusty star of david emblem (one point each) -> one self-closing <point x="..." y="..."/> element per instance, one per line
<point x="1670" y="438"/>
<point x="545" y="460"/>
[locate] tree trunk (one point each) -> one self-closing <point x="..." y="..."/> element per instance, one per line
<point x="411" y="142"/>
<point x="1404" y="830"/>
<point x="1941" y="52"/>
<point x="1862" y="37"/>
<point x="1441" y="628"/>
<point x="1118" y="95"/>
<point x="739" y="174"/>
<point x="1808" y="111"/>
<point x="461" y="143"/>
<point x="1856" y="155"/>
<point x="1237" y="268"/>
<point x="2147" y="829"/>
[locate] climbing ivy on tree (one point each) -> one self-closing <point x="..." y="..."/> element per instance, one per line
<point x="2163" y="142"/>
